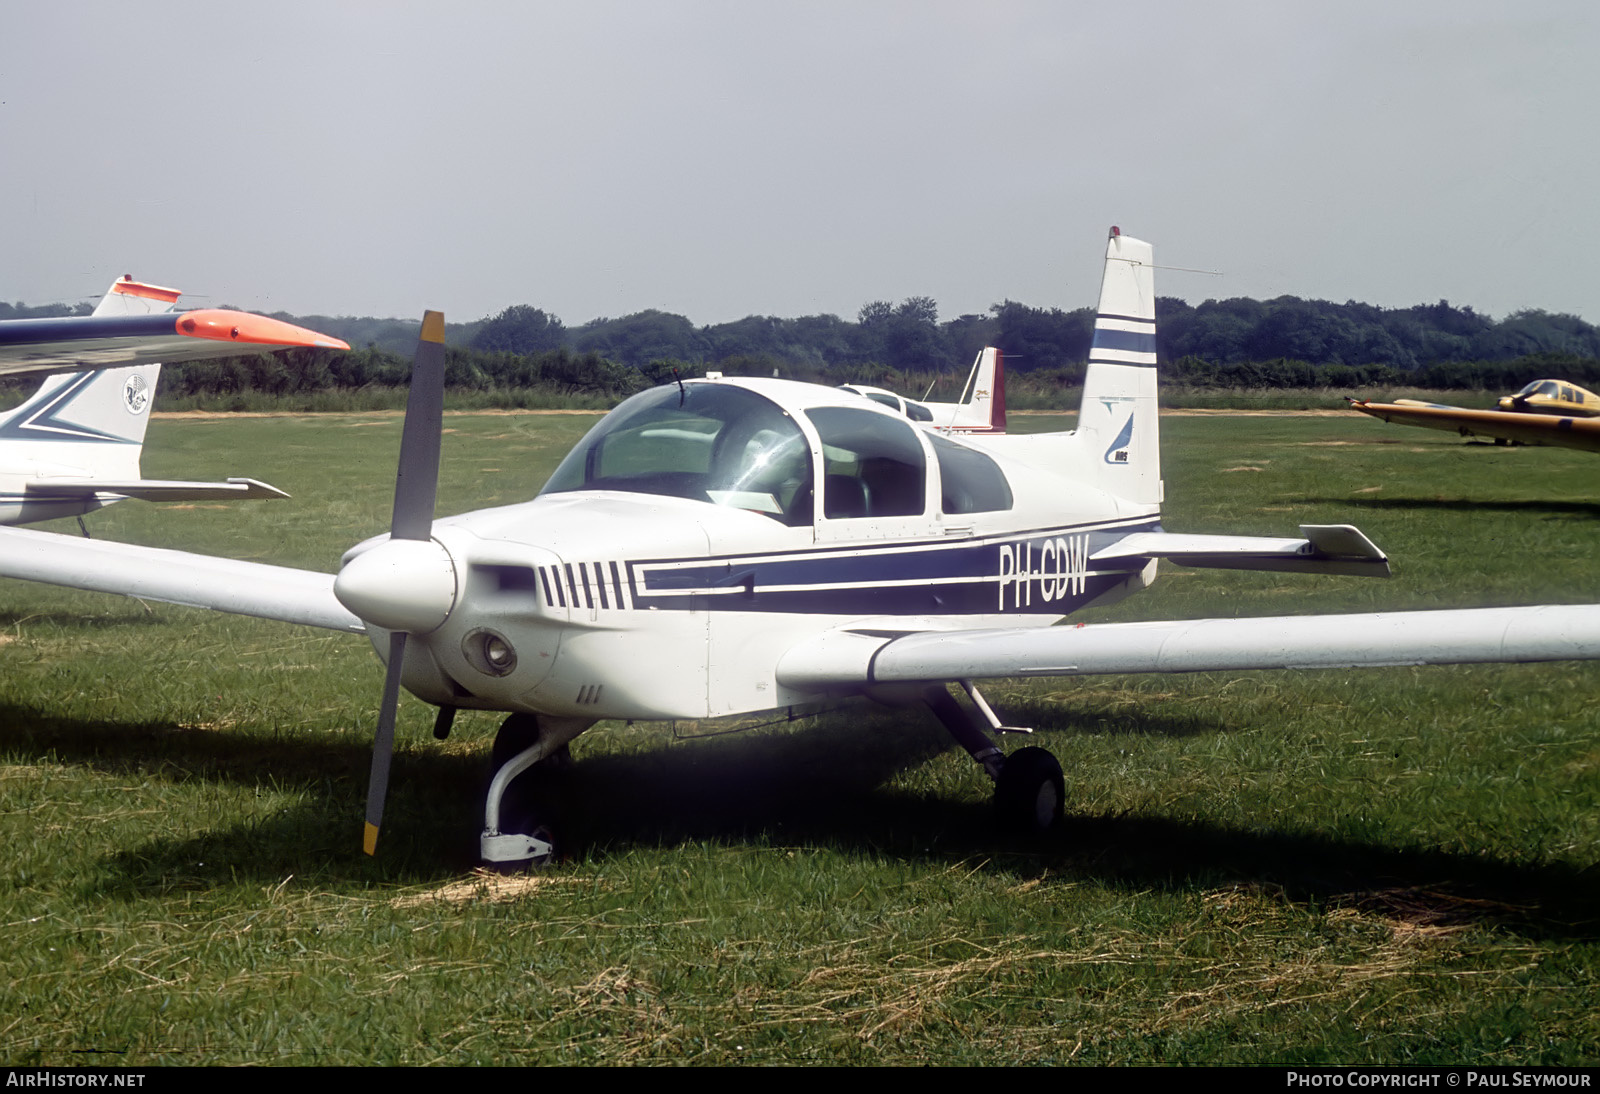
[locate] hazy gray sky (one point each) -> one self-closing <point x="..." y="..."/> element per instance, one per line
<point x="721" y="159"/>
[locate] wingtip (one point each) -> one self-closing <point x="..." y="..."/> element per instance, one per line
<point x="221" y="325"/>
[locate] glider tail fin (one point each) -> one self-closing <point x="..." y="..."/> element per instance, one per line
<point x="129" y="297"/>
<point x="1117" y="422"/>
<point x="91" y="424"/>
<point x="982" y="408"/>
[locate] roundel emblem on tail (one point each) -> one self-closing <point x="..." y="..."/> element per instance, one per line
<point x="136" y="394"/>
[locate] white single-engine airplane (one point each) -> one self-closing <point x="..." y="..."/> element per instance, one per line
<point x="74" y="446"/>
<point x="728" y="546"/>
<point x="980" y="409"/>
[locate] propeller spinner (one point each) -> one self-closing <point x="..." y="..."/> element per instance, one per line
<point x="407" y="584"/>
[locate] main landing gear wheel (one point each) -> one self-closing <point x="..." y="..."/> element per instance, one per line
<point x="1029" y="792"/>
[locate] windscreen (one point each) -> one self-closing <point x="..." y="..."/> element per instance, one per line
<point x="706" y="442"/>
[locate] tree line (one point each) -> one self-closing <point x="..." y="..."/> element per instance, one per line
<point x="910" y="337"/>
<point x="1286" y="342"/>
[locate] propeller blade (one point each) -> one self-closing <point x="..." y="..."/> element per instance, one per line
<point x="417" y="481"/>
<point x="416" y="484"/>
<point x="383" y="743"/>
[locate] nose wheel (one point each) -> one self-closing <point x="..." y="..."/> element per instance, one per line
<point x="517" y="829"/>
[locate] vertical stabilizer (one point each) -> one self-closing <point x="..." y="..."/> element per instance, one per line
<point x="995" y="360"/>
<point x="1117" y="422"/>
<point x="86" y="425"/>
<point x="985" y="397"/>
<point x="129" y="297"/>
<point x="982" y="406"/>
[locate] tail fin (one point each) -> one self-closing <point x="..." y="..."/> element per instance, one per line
<point x="92" y="423"/>
<point x="1117" y="421"/>
<point x="982" y="407"/>
<point x="75" y="445"/>
<point x="129" y="297"/>
<point x="80" y="425"/>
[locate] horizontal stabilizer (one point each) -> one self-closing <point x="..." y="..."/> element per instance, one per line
<point x="156" y="489"/>
<point x="1327" y="549"/>
<point x="1467" y="636"/>
<point x="175" y="577"/>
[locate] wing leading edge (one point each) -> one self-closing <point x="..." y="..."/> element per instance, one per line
<point x="858" y="657"/>
<point x="176" y="577"/>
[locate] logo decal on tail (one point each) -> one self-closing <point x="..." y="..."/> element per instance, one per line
<point x="135" y="394"/>
<point x="1118" y="452"/>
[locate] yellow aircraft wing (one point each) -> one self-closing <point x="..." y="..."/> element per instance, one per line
<point x="1563" y="432"/>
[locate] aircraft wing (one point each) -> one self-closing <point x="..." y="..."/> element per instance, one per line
<point x="106" y="341"/>
<point x="154" y="489"/>
<point x="864" y="656"/>
<point x="176" y="577"/>
<point x="1548" y="429"/>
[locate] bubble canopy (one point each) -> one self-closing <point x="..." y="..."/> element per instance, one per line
<point x="706" y="442"/>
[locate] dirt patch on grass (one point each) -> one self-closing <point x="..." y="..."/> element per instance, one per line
<point x="482" y="887"/>
<point x="1418" y="912"/>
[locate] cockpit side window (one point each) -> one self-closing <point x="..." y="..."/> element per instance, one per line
<point x="969" y="481"/>
<point x="705" y="442"/>
<point x="874" y="465"/>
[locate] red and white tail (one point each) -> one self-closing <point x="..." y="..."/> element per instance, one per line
<point x="129" y="297"/>
<point x="982" y="406"/>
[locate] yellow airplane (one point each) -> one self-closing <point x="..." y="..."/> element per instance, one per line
<point x="1548" y="412"/>
<point x="1553" y="397"/>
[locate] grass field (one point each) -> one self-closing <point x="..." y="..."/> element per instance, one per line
<point x="1393" y="866"/>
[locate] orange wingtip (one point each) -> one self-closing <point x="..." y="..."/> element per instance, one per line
<point x="129" y="287"/>
<point x="239" y="326"/>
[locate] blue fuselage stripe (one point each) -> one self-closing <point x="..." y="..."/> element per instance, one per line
<point x="1046" y="570"/>
<point x="1127" y="341"/>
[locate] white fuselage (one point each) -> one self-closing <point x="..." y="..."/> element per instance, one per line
<point x="620" y="604"/>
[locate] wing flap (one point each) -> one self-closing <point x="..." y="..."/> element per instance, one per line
<point x="1462" y="636"/>
<point x="176" y="577"/>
